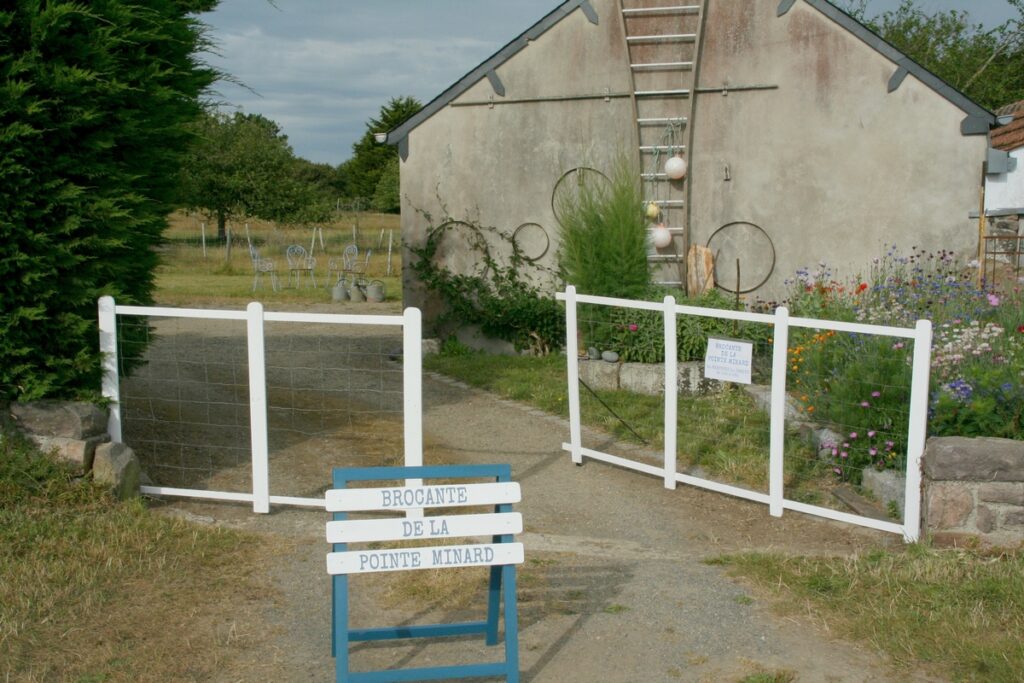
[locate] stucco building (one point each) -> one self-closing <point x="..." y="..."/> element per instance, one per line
<point x="807" y="137"/>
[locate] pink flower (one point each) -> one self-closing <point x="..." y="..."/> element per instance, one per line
<point x="897" y="346"/>
<point x="873" y="451"/>
<point x="993" y="299"/>
<point x="853" y="435"/>
<point x="633" y="327"/>
<point x="865" y="404"/>
<point x="872" y="433"/>
<point x="843" y="454"/>
<point x="837" y="470"/>
<point x="876" y="394"/>
<point x="835" y="452"/>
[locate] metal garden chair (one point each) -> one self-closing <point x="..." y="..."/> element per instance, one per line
<point x="300" y="262"/>
<point x="263" y="266"/>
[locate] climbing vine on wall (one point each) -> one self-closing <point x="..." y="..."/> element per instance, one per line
<point x="503" y="296"/>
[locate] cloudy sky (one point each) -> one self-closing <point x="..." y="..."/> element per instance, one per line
<point x="321" y="68"/>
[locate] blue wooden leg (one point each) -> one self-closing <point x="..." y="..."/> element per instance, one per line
<point x="493" y="605"/>
<point x="340" y="629"/>
<point x="511" y="624"/>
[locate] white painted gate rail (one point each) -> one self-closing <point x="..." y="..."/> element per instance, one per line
<point x="781" y="322"/>
<point x="254" y="315"/>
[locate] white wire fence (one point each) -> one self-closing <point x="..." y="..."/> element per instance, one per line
<point x="828" y="404"/>
<point x="254" y="405"/>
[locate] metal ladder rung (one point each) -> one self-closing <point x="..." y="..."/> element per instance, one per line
<point x="662" y="66"/>
<point x="666" y="37"/>
<point x="672" y="283"/>
<point x="667" y="202"/>
<point x="674" y="231"/>
<point x="665" y="257"/>
<point x="662" y="93"/>
<point x="668" y="9"/>
<point x="661" y="121"/>
<point x="661" y="148"/>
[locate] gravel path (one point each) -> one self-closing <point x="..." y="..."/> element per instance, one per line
<point x="616" y="586"/>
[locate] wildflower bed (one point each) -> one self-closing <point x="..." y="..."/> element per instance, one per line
<point x="860" y="385"/>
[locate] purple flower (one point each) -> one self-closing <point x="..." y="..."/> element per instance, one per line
<point x="876" y="394"/>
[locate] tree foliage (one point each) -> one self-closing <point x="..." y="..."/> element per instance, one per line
<point x="986" y="64"/>
<point x="94" y="98"/>
<point x="370" y="159"/>
<point x="242" y="165"/>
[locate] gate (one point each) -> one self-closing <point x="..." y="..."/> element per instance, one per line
<point x="254" y="383"/>
<point x="776" y="396"/>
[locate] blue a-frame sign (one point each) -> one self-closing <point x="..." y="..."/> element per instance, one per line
<point x="502" y="589"/>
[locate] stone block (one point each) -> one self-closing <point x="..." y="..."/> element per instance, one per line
<point x="598" y="375"/>
<point x="642" y="378"/>
<point x="431" y="347"/>
<point x="824" y="440"/>
<point x="948" y="505"/>
<point x="1014" y="518"/>
<point x="77" y="453"/>
<point x="66" y="419"/>
<point x="116" y="467"/>
<point x="692" y="382"/>
<point x="762" y="395"/>
<point x="985" y="519"/>
<point x="1002" y="492"/>
<point x="957" y="458"/>
<point x="887" y="486"/>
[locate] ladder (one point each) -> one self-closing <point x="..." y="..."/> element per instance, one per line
<point x="663" y="42"/>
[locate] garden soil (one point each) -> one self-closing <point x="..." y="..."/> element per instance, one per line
<point x="616" y="585"/>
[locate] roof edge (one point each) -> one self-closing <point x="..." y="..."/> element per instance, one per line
<point x="488" y="65"/>
<point x="975" y="112"/>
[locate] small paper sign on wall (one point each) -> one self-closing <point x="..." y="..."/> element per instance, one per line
<point x="729" y="360"/>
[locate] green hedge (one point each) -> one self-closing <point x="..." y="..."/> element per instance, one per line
<point x="93" y="100"/>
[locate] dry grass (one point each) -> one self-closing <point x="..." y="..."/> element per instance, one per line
<point x="95" y="590"/>
<point x="961" y="611"/>
<point x="187" y="276"/>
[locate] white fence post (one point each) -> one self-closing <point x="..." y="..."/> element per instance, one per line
<point x="917" y="429"/>
<point x="258" y="408"/>
<point x="412" y="386"/>
<point x="777" y="444"/>
<point x="671" y="391"/>
<point x="573" y="371"/>
<point x="111" y="386"/>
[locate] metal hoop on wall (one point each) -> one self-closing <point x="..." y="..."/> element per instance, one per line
<point x="583" y="175"/>
<point x="528" y="233"/>
<point x="771" y="267"/>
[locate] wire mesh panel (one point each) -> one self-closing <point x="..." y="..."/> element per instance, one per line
<point x="724" y="427"/>
<point x="185" y="400"/>
<point x="850" y="393"/>
<point x="334" y="399"/>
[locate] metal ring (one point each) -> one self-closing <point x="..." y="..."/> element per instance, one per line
<point x="481" y="242"/>
<point x="771" y="269"/>
<point x="578" y="170"/>
<point x="547" y="242"/>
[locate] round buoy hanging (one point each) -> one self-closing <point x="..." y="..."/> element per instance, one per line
<point x="653" y="210"/>
<point x="675" y="167"/>
<point x="660" y="236"/>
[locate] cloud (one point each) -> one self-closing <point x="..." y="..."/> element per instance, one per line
<point x="322" y="73"/>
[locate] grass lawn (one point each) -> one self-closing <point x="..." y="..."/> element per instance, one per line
<point x="187" y="277"/>
<point x="97" y="590"/>
<point x="726" y="434"/>
<point x="960" y="611"/>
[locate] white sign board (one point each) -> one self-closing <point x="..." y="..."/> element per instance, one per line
<point x="729" y="360"/>
<point x="403" y="529"/>
<point x="448" y="556"/>
<point x="416" y="497"/>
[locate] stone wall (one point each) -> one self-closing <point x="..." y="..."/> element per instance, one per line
<point x="974" y="489"/>
<point x="646" y="378"/>
<point x="75" y="434"/>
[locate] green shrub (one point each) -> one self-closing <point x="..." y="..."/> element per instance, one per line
<point x="94" y="98"/>
<point x="603" y="241"/>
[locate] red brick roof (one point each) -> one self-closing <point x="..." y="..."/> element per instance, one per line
<point x="1010" y="136"/>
